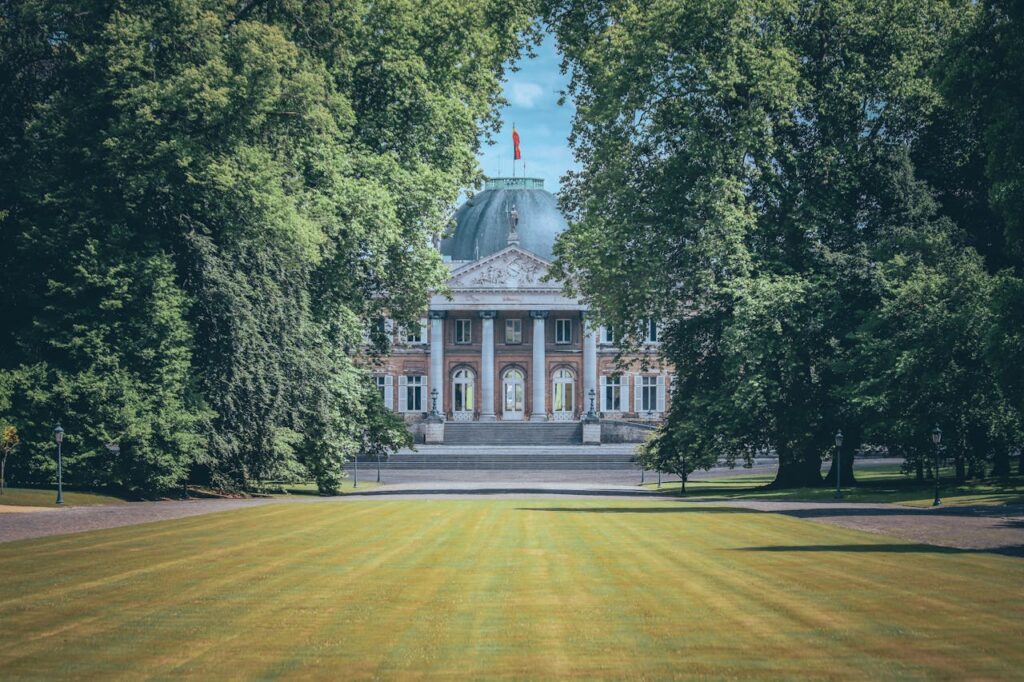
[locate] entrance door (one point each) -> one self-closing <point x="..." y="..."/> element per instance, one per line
<point x="563" y="398"/>
<point x="462" y="395"/>
<point x="513" y="389"/>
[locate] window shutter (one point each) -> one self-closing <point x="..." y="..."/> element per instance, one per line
<point x="603" y="402"/>
<point x="661" y="393"/>
<point x="638" y="401"/>
<point x="624" y="393"/>
<point x="389" y="392"/>
<point x="425" y="395"/>
<point x="402" y="394"/>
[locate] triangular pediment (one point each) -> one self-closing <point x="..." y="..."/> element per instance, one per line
<point x="510" y="268"/>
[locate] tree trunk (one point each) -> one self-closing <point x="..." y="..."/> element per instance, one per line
<point x="682" y="483"/>
<point x="1001" y="462"/>
<point x="798" y="473"/>
<point x="846" y="462"/>
<point x="3" y="471"/>
<point x="920" y="470"/>
<point x="961" y="473"/>
<point x="1020" y="461"/>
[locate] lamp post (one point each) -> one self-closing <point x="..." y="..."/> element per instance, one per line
<point x="433" y="401"/>
<point x="936" y="439"/>
<point x="592" y="414"/>
<point x="839" y="463"/>
<point x="355" y="477"/>
<point x="58" y="436"/>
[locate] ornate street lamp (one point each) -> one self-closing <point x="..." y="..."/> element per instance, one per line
<point x="592" y="414"/>
<point x="58" y="436"/>
<point x="839" y="463"/>
<point x="936" y="439"/>
<point x="433" y="401"/>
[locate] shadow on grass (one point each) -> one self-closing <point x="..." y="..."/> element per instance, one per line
<point x="1007" y="550"/>
<point x="885" y="549"/>
<point x="641" y="510"/>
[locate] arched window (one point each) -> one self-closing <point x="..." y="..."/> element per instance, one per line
<point x="463" y="381"/>
<point x="563" y="396"/>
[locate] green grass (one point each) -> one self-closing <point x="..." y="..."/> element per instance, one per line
<point x="874" y="484"/>
<point x="504" y="588"/>
<point x="34" y="497"/>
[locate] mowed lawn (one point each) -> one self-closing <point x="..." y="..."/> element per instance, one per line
<point x="544" y="588"/>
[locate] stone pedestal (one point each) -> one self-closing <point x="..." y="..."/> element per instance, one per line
<point x="433" y="430"/>
<point x="591" y="431"/>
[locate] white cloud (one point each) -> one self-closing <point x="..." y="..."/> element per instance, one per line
<point x="524" y="94"/>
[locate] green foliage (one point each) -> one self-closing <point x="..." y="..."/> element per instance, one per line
<point x="204" y="204"/>
<point x="745" y="166"/>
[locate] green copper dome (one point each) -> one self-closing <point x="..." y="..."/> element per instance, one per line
<point x="482" y="224"/>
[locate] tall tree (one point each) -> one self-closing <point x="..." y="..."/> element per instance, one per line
<point x="744" y="166"/>
<point x="207" y="201"/>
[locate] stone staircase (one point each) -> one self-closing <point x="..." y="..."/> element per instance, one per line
<point x="510" y="457"/>
<point x="513" y="433"/>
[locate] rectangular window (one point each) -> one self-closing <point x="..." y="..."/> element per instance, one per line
<point x="418" y="334"/>
<point x="387" y="389"/>
<point x="463" y="331"/>
<point x="513" y="331"/>
<point x="648" y="394"/>
<point x="612" y="394"/>
<point x="607" y="336"/>
<point x="652" y="331"/>
<point x="563" y="331"/>
<point x="414" y="398"/>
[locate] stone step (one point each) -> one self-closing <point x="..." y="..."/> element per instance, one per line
<point x="440" y="466"/>
<point x="513" y="433"/>
<point x="506" y="459"/>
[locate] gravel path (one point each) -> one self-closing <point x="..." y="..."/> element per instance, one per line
<point x="629" y="476"/>
<point x="51" y="521"/>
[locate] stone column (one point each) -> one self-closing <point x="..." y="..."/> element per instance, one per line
<point x="538" y="376"/>
<point x="487" y="366"/>
<point x="436" y="379"/>
<point x="589" y="365"/>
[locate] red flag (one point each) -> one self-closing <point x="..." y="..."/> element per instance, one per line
<point x="515" y="144"/>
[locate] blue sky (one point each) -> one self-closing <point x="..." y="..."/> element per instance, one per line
<point x="543" y="126"/>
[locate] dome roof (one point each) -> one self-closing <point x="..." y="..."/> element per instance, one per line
<point x="482" y="223"/>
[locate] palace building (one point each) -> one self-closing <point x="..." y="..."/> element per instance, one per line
<point x="509" y="346"/>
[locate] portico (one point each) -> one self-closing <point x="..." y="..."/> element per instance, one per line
<point x="512" y="335"/>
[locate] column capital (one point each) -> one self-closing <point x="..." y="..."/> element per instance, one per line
<point x="539" y="314"/>
<point x="437" y="314"/>
<point x="488" y="314"/>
